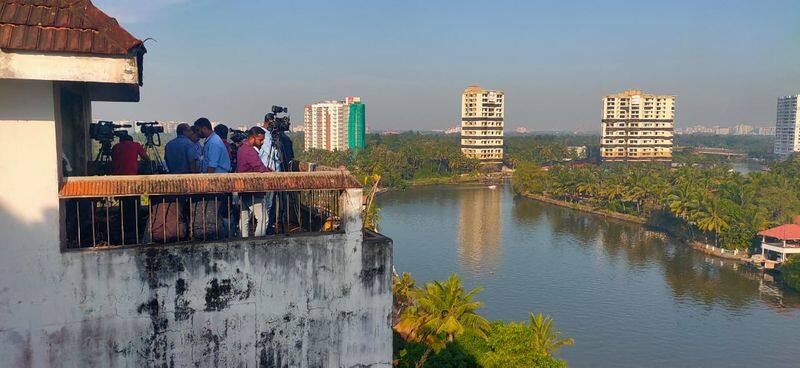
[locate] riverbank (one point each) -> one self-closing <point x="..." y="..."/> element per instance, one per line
<point x="493" y="178"/>
<point x="709" y="249"/>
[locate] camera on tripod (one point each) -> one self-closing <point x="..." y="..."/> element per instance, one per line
<point x="151" y="130"/>
<point x="279" y="123"/>
<point x="105" y="131"/>
<point x="152" y="134"/>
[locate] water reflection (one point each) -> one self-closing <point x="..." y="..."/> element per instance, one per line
<point x="689" y="274"/>
<point x="630" y="297"/>
<point x="480" y="227"/>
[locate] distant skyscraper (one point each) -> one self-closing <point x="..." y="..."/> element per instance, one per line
<point x="356" y="126"/>
<point x="327" y="124"/>
<point x="482" y="113"/>
<point x="637" y="127"/>
<point x="787" y="126"/>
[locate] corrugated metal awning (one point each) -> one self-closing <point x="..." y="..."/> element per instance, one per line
<point x="171" y="184"/>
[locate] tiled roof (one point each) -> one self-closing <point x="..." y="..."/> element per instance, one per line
<point x="783" y="232"/>
<point x="72" y="26"/>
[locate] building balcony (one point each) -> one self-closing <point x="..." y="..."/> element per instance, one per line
<point x="129" y="211"/>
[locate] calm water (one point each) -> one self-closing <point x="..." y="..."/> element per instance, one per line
<point x="629" y="297"/>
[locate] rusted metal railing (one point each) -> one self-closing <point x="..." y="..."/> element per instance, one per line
<point x="109" y="211"/>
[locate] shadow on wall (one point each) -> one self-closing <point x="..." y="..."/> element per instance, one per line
<point x="26" y="246"/>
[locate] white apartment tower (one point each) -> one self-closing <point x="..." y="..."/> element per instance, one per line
<point x="787" y="126"/>
<point x="482" y="113"/>
<point x="637" y="127"/>
<point x="325" y="125"/>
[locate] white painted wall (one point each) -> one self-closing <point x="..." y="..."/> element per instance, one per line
<point x="29" y="165"/>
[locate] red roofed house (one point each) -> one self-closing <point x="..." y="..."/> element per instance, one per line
<point x="780" y="242"/>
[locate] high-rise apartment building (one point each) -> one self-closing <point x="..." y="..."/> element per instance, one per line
<point x="637" y="127"/>
<point x="356" y="127"/>
<point x="787" y="126"/>
<point x="482" y="113"/>
<point x="326" y="125"/>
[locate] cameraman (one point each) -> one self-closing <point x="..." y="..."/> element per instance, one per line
<point x="124" y="156"/>
<point x="282" y="142"/>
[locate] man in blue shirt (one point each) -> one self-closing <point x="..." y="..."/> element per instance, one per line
<point x="215" y="154"/>
<point x="268" y="153"/>
<point x="181" y="153"/>
<point x="211" y="218"/>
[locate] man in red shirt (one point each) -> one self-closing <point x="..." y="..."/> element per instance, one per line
<point x="124" y="156"/>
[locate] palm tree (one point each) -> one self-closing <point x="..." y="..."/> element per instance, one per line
<point x="711" y="216"/>
<point x="681" y="200"/>
<point x="402" y="288"/>
<point x="546" y="339"/>
<point x="440" y="312"/>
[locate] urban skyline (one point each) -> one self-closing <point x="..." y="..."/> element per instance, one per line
<point x="557" y="55"/>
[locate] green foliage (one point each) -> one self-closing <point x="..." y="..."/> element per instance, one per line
<point x="506" y="347"/>
<point x="399" y="159"/>
<point x="412" y="157"/>
<point x="790" y="272"/>
<point x="439" y="327"/>
<point x="440" y="312"/>
<point x="516" y="345"/>
<point x="539" y="149"/>
<point x="529" y="178"/>
<point x="753" y="146"/>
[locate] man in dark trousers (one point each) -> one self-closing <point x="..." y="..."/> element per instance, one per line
<point x="255" y="206"/>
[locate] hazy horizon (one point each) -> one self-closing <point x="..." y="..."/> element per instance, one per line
<point x="409" y="61"/>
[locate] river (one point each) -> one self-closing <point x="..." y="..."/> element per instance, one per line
<point x="628" y="296"/>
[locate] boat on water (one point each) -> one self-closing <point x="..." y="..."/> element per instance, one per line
<point x="493" y="187"/>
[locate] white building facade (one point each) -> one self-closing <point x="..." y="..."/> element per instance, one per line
<point x="637" y="127"/>
<point x="325" y="124"/>
<point x="787" y="126"/>
<point x="482" y="116"/>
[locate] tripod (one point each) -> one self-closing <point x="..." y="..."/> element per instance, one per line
<point x="102" y="161"/>
<point x="156" y="164"/>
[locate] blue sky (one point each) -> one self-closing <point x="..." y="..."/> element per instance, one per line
<point x="726" y="61"/>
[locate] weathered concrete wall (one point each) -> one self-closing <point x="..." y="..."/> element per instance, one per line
<point x="313" y="301"/>
<point x="68" y="67"/>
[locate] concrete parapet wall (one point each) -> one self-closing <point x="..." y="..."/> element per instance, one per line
<point x="310" y="301"/>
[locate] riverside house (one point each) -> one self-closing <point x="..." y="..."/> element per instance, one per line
<point x="96" y="271"/>
<point x="780" y="242"/>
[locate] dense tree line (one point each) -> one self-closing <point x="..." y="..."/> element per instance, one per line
<point x="398" y="159"/>
<point x="411" y="157"/>
<point x="714" y="204"/>
<point x="753" y="145"/>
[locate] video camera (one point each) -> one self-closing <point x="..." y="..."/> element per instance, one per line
<point x="150" y="128"/>
<point x="279" y="124"/>
<point x="238" y="136"/>
<point x="105" y="131"/>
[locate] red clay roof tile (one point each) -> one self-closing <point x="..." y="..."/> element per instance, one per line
<point x="63" y="26"/>
<point x="783" y="232"/>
